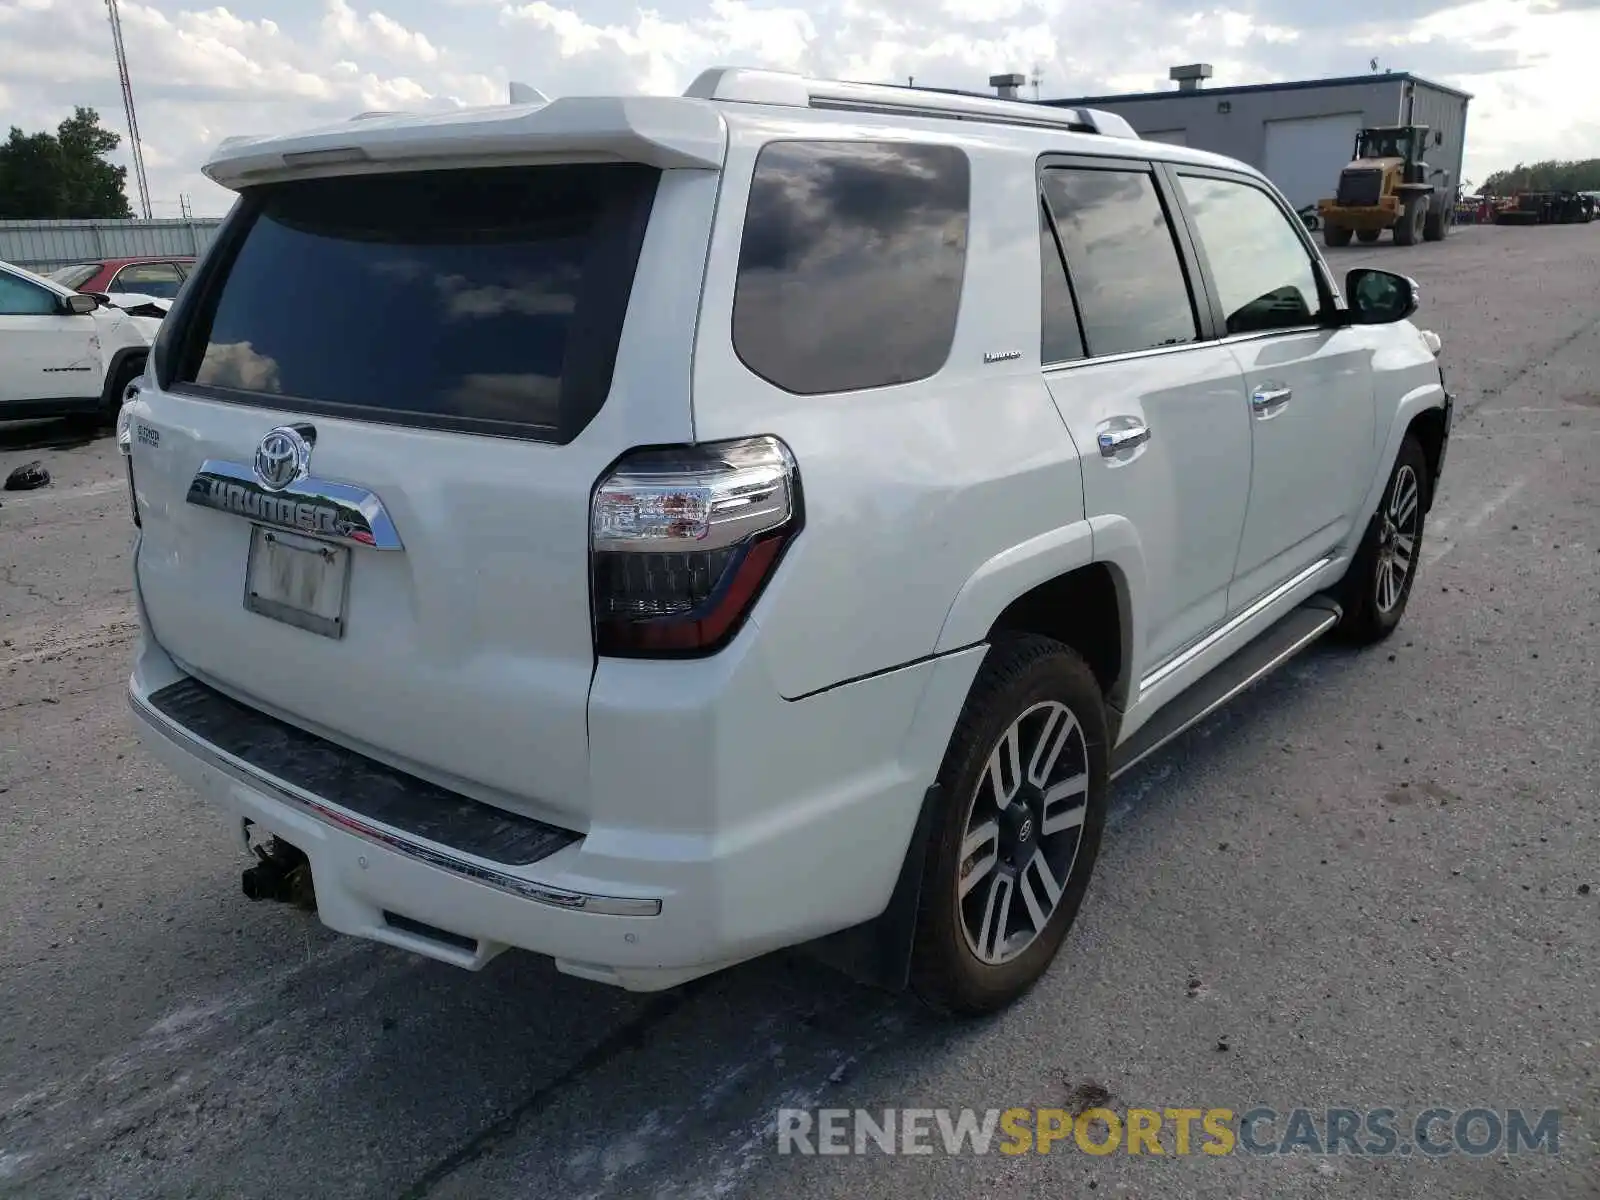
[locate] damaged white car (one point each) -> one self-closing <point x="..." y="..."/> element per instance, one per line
<point x="66" y="354"/>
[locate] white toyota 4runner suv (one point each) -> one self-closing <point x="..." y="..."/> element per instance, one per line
<point x="653" y="531"/>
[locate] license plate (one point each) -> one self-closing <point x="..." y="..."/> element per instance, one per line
<point x="297" y="580"/>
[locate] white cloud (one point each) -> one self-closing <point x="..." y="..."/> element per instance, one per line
<point x="251" y="66"/>
<point x="374" y="32"/>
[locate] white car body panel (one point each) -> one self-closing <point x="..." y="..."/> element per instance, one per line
<point x="888" y="495"/>
<point x="768" y="793"/>
<point x="1184" y="491"/>
<point x="49" y="356"/>
<point x="1311" y="457"/>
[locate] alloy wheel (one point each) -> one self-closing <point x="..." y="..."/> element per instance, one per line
<point x="1023" y="831"/>
<point x="1397" y="539"/>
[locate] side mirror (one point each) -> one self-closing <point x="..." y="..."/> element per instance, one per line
<point x="80" y="304"/>
<point x="1380" y="297"/>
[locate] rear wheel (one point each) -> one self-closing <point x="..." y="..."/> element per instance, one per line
<point x="1336" y="235"/>
<point x="1025" y="782"/>
<point x="1436" y="225"/>
<point x="1378" y="584"/>
<point x="1367" y="236"/>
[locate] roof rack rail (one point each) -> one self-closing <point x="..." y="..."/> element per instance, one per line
<point x="750" y="86"/>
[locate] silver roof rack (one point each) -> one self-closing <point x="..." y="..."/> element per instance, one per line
<point x="750" y="86"/>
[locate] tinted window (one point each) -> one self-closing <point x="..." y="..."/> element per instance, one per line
<point x="478" y="299"/>
<point x="851" y="264"/>
<point x="149" y="279"/>
<point x="1129" y="281"/>
<point x="1262" y="269"/>
<point x="1060" y="340"/>
<point x="19" y="298"/>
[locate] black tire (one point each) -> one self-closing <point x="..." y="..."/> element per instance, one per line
<point x="127" y="372"/>
<point x="1367" y="236"/>
<point x="1436" y="225"/>
<point x="1408" y="229"/>
<point x="1025" y="683"/>
<point x="1372" y="609"/>
<point x="1336" y="235"/>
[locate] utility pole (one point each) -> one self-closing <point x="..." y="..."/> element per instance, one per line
<point x="127" y="104"/>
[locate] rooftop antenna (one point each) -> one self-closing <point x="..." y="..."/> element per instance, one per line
<point x="1036" y="78"/>
<point x="134" y="147"/>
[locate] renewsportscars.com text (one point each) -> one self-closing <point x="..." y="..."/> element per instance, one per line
<point x="1376" y="1132"/>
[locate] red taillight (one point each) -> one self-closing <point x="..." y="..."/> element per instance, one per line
<point x="682" y="542"/>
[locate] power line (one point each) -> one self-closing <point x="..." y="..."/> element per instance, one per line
<point x="127" y="104"/>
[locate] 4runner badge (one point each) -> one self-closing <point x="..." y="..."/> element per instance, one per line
<point x="278" y="490"/>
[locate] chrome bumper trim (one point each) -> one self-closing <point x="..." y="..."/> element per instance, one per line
<point x="328" y="814"/>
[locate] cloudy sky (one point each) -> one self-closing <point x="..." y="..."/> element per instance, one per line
<point x="203" y="73"/>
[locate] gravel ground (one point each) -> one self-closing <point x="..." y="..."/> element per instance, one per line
<point x="1372" y="881"/>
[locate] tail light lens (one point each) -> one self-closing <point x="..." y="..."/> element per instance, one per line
<point x="125" y="446"/>
<point x="684" y="539"/>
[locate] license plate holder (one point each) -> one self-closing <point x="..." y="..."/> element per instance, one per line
<point x="298" y="580"/>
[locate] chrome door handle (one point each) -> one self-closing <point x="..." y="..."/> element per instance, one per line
<point x="1268" y="399"/>
<point x="1118" y="437"/>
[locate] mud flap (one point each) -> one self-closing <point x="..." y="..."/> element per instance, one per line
<point x="878" y="952"/>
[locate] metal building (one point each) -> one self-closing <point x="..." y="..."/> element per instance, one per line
<point x="1298" y="134"/>
<point x="45" y="245"/>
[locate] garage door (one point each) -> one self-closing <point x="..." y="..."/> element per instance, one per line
<point x="1303" y="156"/>
<point x="1173" y="137"/>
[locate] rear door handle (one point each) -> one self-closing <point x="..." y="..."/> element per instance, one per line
<point x="1268" y="399"/>
<point x="1121" y="434"/>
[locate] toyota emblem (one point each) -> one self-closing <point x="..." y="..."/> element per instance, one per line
<point x="284" y="456"/>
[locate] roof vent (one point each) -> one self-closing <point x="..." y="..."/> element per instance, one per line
<point x="1188" y="78"/>
<point x="1007" y="87"/>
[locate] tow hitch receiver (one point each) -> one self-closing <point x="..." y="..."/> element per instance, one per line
<point x="283" y="874"/>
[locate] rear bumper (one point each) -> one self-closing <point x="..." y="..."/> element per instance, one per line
<point x="637" y="904"/>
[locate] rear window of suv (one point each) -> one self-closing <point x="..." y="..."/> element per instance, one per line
<point x="482" y="300"/>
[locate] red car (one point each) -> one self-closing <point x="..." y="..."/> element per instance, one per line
<point x="158" y="277"/>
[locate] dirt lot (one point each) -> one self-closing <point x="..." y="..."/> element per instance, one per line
<point x="1372" y="881"/>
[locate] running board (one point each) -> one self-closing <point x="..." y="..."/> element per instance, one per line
<point x="1261" y="657"/>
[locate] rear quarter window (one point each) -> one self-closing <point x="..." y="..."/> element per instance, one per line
<point x="484" y="300"/>
<point x="851" y="263"/>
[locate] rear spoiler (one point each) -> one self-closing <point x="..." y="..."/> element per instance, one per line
<point x="660" y="131"/>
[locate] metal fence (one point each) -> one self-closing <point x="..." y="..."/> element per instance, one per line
<point x="46" y="245"/>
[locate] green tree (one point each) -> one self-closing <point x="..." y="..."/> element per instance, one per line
<point x="62" y="175"/>
<point x="1553" y="175"/>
